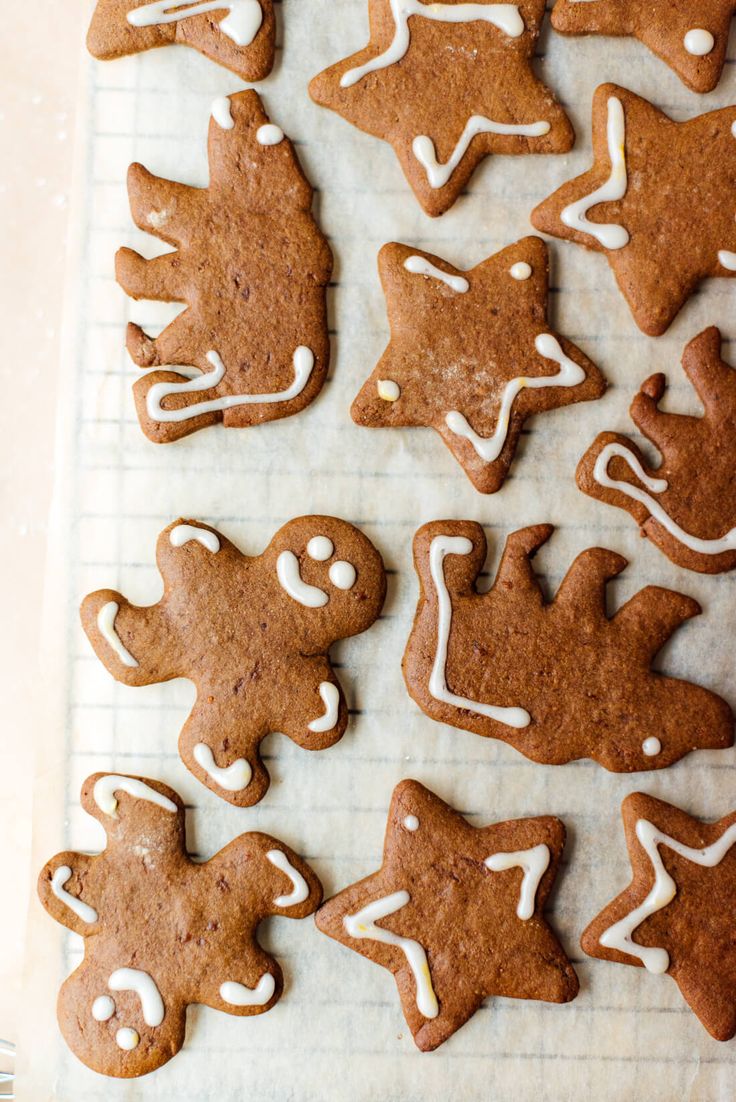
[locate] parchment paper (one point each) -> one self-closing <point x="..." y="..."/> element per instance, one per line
<point x="338" y="1032"/>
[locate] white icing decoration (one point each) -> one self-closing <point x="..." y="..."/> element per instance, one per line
<point x="289" y="575"/>
<point x="269" y="134"/>
<point x="505" y="17"/>
<point x="656" y="486"/>
<point x="331" y="700"/>
<point x="533" y="863"/>
<point x="222" y="114"/>
<point x="106" y="627"/>
<point x="699" y="42"/>
<point x="127" y="1039"/>
<point x="611" y="235"/>
<point x="726" y="259"/>
<point x="457" y="545"/>
<point x="106" y="787"/>
<point x="342" y="574"/>
<point x="241" y="24"/>
<point x="664" y="890"/>
<point x="417" y="265"/>
<point x="300" y="888"/>
<point x="320" y="548"/>
<point x="733" y="128"/>
<point x="411" y="823"/>
<point x="81" y="909"/>
<point x="362" y="924"/>
<point x="521" y="270"/>
<point x="388" y="390"/>
<point x="233" y="778"/>
<point x="490" y="447"/>
<point x="103" y="1008"/>
<point x="303" y="364"/>
<point x="133" y="979"/>
<point x="237" y="994"/>
<point x="439" y="174"/>
<point x="651" y="746"/>
<point x="185" y="533"/>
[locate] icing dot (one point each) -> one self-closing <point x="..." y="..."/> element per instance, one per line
<point x="651" y="747"/>
<point x="268" y="134"/>
<point x="127" y="1039"/>
<point x="733" y="128"/>
<point x="699" y="42"/>
<point x="222" y="114"/>
<point x="342" y="574"/>
<point x="411" y="822"/>
<point x="103" y="1008"/>
<point x="320" y="548"/>
<point x="388" y="390"/>
<point x="521" y="270"/>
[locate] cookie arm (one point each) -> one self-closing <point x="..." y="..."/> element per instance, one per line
<point x="162" y="279"/>
<point x="584" y="585"/>
<point x="713" y="379"/>
<point x="651" y="616"/>
<point x="163" y="207"/>
<point x="64" y="890"/>
<point x="134" y="644"/>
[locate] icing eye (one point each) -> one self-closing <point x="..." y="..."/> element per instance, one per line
<point x="520" y="270"/>
<point x="103" y="1008"/>
<point x="411" y="823"/>
<point x="343" y="574"/>
<point x="268" y="134"/>
<point x="127" y="1039"/>
<point x="388" y="390"/>
<point x="320" y="548"/>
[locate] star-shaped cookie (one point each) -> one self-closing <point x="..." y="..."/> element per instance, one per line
<point x="447" y="84"/>
<point x="659" y="201"/>
<point x="471" y="355"/>
<point x="456" y="913"/>
<point x="690" y="35"/>
<point x="676" y="916"/>
<point x="687" y="504"/>
<point x="238" y="34"/>
<point x="161" y="931"/>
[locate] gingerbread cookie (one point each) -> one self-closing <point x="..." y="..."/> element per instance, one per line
<point x="557" y="680"/>
<point x="687" y="504"/>
<point x="239" y="34"/>
<point x="690" y="35"/>
<point x="676" y="916"/>
<point x="471" y="355"/>
<point x="161" y="931"/>
<point x="658" y="201"/>
<point x="447" y="85"/>
<point x="252" y="267"/>
<point x="253" y="634"/>
<point x="461" y="913"/>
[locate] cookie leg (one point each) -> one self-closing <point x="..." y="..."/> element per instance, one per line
<point x="220" y="744"/>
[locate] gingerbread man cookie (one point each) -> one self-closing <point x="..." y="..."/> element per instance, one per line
<point x="687" y="504"/>
<point x="252" y="267"/>
<point x="239" y="34"/>
<point x="447" y="85"/>
<point x="456" y="913"/>
<point x="676" y="916"/>
<point x="253" y="634"/>
<point x="690" y="35"/>
<point x="557" y="680"/>
<point x="471" y="355"/>
<point x="659" y="201"/>
<point x="161" y="931"/>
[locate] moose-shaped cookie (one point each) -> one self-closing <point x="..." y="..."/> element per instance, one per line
<point x="253" y="634"/>
<point x="161" y="931"/>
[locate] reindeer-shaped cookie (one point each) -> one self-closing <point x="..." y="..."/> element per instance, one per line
<point x="253" y="634"/>
<point x="558" y="680"/>
<point x="686" y="505"/>
<point x="161" y="931"/>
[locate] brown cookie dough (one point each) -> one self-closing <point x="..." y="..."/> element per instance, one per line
<point x="447" y="85"/>
<point x="161" y="931"/>
<point x="254" y="636"/>
<point x="251" y="266"/>
<point x="239" y="34"/>
<point x="690" y="35"/>
<point x="659" y="201"/>
<point x="461" y="913"/>
<point x="471" y="355"/>
<point x="676" y="916"/>
<point x="687" y="504"/>
<point x="557" y="680"/>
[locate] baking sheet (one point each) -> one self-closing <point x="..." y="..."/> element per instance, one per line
<point x="338" y="1031"/>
